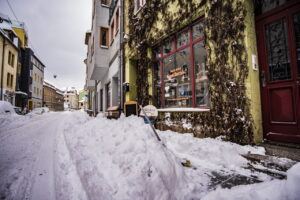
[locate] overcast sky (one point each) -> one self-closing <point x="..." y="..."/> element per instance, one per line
<point x="56" y="30"/>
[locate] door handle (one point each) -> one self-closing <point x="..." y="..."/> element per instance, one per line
<point x="263" y="78"/>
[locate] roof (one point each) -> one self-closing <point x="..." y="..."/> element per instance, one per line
<point x="3" y="34"/>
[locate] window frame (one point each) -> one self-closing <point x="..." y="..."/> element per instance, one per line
<point x="112" y="32"/>
<point x="107" y="3"/>
<point x="117" y="17"/>
<point x="189" y="45"/>
<point x="107" y="37"/>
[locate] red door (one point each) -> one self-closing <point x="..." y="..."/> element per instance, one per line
<point x="278" y="35"/>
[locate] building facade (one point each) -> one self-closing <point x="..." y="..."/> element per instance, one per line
<point x="241" y="81"/>
<point x="9" y="52"/>
<point x="71" y="99"/>
<point x="104" y="55"/>
<point x="32" y="78"/>
<point x="53" y="98"/>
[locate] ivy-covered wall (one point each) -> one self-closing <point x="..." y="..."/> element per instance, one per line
<point x="230" y="44"/>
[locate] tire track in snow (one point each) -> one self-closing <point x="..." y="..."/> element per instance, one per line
<point x="87" y="170"/>
<point x="67" y="181"/>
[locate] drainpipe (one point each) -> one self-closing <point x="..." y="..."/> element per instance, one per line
<point x="2" y="67"/>
<point x="95" y="98"/>
<point x="121" y="55"/>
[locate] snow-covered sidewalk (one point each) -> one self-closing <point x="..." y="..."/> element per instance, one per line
<point x="68" y="155"/>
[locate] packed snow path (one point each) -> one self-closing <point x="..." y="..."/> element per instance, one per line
<point x="68" y="155"/>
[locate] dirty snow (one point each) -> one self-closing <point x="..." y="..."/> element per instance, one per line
<point x="69" y="155"/>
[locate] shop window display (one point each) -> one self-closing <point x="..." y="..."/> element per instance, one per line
<point x="181" y="71"/>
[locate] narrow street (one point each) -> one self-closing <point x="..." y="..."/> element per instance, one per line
<point x="69" y="155"/>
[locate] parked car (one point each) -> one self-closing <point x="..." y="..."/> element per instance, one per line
<point x="18" y="110"/>
<point x="6" y="108"/>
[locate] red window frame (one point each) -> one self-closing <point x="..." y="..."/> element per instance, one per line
<point x="162" y="56"/>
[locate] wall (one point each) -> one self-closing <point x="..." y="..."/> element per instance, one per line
<point x="235" y="109"/>
<point x="9" y="47"/>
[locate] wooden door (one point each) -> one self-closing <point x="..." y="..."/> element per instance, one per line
<point x="278" y="35"/>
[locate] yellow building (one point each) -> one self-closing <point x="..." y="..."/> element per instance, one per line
<point x="217" y="67"/>
<point x="8" y="62"/>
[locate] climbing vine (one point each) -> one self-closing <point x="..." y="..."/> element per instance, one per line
<point x="226" y="59"/>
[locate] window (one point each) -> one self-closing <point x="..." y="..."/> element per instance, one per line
<point x="105" y="2"/>
<point x="37" y="91"/>
<point x="104" y="36"/>
<point x="117" y="20"/>
<point x="41" y="80"/>
<point x="34" y="90"/>
<point x="108" y="94"/>
<point x="180" y="72"/>
<point x="8" y="80"/>
<point x="11" y="81"/>
<point x="112" y="32"/>
<point x="12" y="60"/>
<point x="9" y="57"/>
<point x="34" y="76"/>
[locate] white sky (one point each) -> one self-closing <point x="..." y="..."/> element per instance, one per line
<point x="56" y="29"/>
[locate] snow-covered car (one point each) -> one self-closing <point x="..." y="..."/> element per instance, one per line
<point x="40" y="111"/>
<point x="6" y="108"/>
<point x="18" y="110"/>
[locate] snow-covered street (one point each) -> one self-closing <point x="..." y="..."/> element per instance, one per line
<point x="69" y="155"/>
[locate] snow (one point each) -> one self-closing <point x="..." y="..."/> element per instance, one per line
<point x="273" y="190"/>
<point x="6" y="107"/>
<point x="183" y="110"/>
<point x="40" y="110"/>
<point x="69" y="155"/>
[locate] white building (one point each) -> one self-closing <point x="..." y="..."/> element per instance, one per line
<point x="37" y="74"/>
<point x="103" y="59"/>
<point x="71" y="99"/>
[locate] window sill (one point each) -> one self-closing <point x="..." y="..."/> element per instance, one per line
<point x="105" y="6"/>
<point x="103" y="47"/>
<point x="183" y="110"/>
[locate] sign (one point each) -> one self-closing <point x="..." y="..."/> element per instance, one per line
<point x="130" y="108"/>
<point x="150" y="110"/>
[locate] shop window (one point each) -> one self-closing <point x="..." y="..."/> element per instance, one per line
<point x="103" y="36"/>
<point x="198" y="31"/>
<point x="168" y="46"/>
<point x="180" y="71"/>
<point x="183" y="38"/>
<point x="201" y="79"/>
<point x="157" y="84"/>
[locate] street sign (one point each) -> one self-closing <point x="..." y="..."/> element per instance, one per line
<point x="150" y="110"/>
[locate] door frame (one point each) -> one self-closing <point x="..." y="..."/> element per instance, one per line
<point x="286" y="11"/>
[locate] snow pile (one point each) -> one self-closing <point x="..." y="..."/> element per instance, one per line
<point x="6" y="108"/>
<point x="69" y="155"/>
<point x="130" y="162"/>
<point x="274" y="190"/>
<point x="40" y="111"/>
